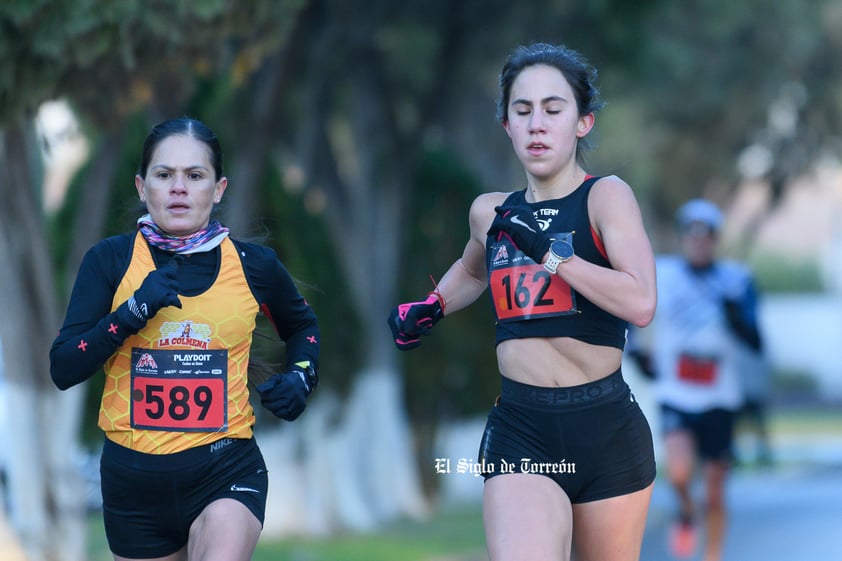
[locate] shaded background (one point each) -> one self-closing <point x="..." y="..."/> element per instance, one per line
<point x="356" y="135"/>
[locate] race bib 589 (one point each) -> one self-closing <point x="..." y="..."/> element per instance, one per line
<point x="179" y="390"/>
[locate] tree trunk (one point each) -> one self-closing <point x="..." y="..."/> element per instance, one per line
<point x="90" y="216"/>
<point x="10" y="547"/>
<point x="43" y="487"/>
<point x="373" y="475"/>
<point x="365" y="213"/>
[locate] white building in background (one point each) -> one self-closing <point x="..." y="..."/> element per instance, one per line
<point x="803" y="332"/>
<point x="803" y="335"/>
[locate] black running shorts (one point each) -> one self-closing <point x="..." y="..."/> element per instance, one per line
<point x="149" y="501"/>
<point x="712" y="430"/>
<point x="592" y="439"/>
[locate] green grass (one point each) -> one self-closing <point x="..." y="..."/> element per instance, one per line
<point x="805" y="420"/>
<point x="447" y="534"/>
<point x="452" y="534"/>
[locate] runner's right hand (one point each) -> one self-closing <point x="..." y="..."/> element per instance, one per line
<point x="158" y="290"/>
<point x="411" y="320"/>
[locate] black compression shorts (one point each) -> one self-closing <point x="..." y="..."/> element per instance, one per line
<point x="713" y="430"/>
<point x="592" y="439"/>
<point x="149" y="501"/>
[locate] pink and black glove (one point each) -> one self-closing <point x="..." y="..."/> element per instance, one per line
<point x="412" y="320"/>
<point x="519" y="224"/>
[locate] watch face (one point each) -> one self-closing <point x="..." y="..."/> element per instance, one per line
<point x="562" y="249"/>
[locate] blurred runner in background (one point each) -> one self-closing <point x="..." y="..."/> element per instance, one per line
<point x="696" y="350"/>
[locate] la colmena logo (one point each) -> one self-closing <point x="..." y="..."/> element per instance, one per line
<point x="184" y="334"/>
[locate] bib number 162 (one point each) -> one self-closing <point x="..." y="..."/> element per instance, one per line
<point x="529" y="291"/>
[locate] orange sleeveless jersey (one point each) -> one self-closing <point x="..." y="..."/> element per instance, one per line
<point x="181" y="381"/>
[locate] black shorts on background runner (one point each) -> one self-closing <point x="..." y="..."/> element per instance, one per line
<point x="713" y="430"/>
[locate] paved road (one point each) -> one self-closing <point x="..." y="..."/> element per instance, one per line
<point x="791" y="513"/>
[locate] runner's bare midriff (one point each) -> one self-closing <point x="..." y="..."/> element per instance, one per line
<point x="556" y="361"/>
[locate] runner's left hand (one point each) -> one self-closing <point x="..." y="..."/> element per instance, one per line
<point x="285" y="394"/>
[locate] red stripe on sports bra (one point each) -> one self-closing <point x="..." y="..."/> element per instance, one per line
<point x="598" y="242"/>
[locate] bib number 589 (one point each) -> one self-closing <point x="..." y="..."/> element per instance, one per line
<point x="178" y="404"/>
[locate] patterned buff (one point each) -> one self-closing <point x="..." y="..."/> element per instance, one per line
<point x="203" y="240"/>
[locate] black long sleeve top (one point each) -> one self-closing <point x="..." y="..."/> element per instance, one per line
<point x="85" y="341"/>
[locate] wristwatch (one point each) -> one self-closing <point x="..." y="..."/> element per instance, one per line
<point x="308" y="375"/>
<point x="561" y="251"/>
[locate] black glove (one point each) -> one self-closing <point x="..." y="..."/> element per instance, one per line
<point x="159" y="290"/>
<point x="411" y="320"/>
<point x="520" y="225"/>
<point x="285" y="394"/>
<point x="741" y="327"/>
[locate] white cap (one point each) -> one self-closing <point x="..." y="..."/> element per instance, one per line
<point x="700" y="210"/>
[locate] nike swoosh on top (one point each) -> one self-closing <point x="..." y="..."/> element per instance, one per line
<point x="236" y="487"/>
<point x="517" y="220"/>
